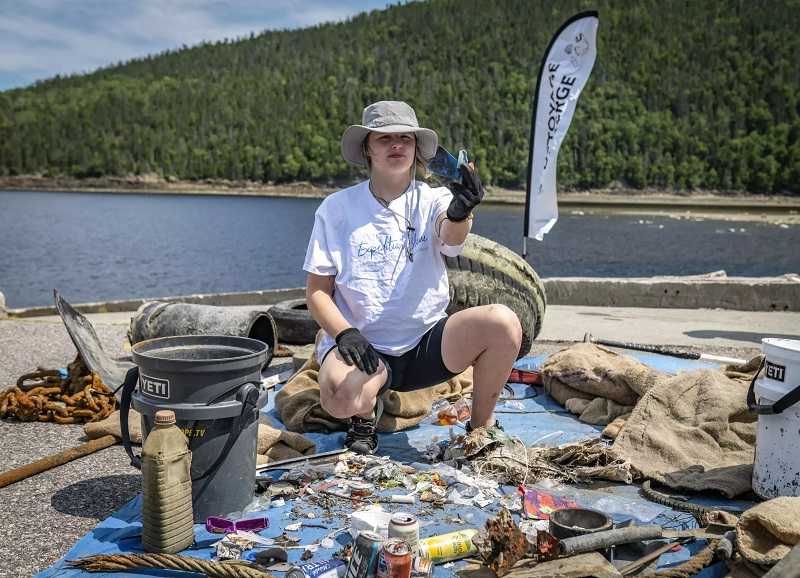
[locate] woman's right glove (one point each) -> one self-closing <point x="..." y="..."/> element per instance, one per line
<point x="466" y="195"/>
<point x="356" y="350"/>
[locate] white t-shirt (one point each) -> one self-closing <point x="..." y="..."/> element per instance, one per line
<point x="391" y="300"/>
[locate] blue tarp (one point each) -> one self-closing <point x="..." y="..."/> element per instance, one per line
<point x="541" y="420"/>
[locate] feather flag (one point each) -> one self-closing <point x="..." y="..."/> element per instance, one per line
<point x="566" y="67"/>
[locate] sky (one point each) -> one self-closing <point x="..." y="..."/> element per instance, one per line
<point x="42" y="38"/>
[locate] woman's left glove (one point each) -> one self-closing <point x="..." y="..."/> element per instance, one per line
<point x="466" y="195"/>
<point x="356" y="350"/>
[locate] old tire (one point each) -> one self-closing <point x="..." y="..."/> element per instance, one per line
<point x="487" y="272"/>
<point x="294" y="321"/>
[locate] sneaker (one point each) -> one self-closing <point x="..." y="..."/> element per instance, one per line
<point x="361" y="437"/>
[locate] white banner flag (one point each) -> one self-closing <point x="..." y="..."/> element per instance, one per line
<point x="566" y="66"/>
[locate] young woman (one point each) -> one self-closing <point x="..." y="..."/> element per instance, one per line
<point x="377" y="282"/>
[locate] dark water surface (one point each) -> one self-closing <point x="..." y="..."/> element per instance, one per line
<point x="95" y="247"/>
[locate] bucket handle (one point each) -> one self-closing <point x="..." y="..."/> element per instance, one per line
<point x="779" y="406"/>
<point x="131" y="379"/>
<point x="247" y="395"/>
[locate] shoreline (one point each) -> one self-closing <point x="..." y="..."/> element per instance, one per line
<point x="710" y="291"/>
<point x="773" y="209"/>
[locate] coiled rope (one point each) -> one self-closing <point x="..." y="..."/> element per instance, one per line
<point x="124" y="562"/>
<point x="692" y="566"/>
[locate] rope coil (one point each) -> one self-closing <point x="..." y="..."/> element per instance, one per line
<point x="123" y="562"/>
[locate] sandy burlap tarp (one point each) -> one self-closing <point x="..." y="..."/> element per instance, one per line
<point x="300" y="410"/>
<point x="692" y="431"/>
<point x="110" y="425"/>
<point x="273" y="444"/>
<point x="766" y="532"/>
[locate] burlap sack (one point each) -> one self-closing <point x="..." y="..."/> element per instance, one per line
<point x="110" y="425"/>
<point x="597" y="372"/>
<point x="275" y="444"/>
<point x="766" y="532"/>
<point x="693" y="431"/>
<point x="612" y="430"/>
<point x="300" y="410"/>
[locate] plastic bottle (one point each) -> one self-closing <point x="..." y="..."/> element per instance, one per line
<point x="167" y="520"/>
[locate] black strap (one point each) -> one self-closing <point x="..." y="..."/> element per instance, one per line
<point x="779" y="406"/>
<point x="248" y="395"/>
<point x="131" y="380"/>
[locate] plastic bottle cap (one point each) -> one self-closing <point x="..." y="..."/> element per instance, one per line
<point x="165" y="417"/>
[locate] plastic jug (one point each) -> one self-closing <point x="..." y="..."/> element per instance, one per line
<point x="167" y="520"/>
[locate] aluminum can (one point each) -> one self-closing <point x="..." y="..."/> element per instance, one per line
<point x="326" y="569"/>
<point x="447" y="547"/>
<point x="421" y="568"/>
<point x="364" y="560"/>
<point x="394" y="560"/>
<point x="406" y="527"/>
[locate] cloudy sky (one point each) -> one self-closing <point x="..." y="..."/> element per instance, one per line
<point x="42" y="38"/>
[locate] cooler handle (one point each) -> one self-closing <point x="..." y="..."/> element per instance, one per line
<point x="779" y="406"/>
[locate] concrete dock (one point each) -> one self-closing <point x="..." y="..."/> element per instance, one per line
<point x="46" y="514"/>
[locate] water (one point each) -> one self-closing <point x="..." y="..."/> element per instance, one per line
<point x="96" y="247"/>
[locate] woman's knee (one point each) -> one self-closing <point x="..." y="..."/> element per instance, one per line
<point x="353" y="394"/>
<point x="506" y="323"/>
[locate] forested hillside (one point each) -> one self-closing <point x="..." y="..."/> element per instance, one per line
<point x="684" y="95"/>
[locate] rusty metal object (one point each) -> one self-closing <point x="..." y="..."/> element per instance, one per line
<point x="43" y="396"/>
<point x="502" y="544"/>
<point x="44" y="464"/>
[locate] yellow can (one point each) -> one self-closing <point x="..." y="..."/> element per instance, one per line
<point x="447" y="547"/>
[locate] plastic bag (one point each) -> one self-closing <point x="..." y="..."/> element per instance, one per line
<point x="446" y="413"/>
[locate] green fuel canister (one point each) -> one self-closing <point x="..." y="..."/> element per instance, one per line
<point x="167" y="521"/>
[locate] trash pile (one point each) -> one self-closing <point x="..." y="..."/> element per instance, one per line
<point x="369" y="516"/>
<point x="68" y="395"/>
<point x="490" y="503"/>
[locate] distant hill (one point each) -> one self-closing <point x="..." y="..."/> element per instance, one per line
<point x="684" y="95"/>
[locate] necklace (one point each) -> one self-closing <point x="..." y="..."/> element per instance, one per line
<point x="381" y="200"/>
<point x="411" y="231"/>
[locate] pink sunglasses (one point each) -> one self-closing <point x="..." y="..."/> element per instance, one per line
<point x="225" y="526"/>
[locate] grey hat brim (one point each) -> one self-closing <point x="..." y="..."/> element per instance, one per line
<point x="427" y="141"/>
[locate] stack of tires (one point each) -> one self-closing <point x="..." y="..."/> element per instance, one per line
<point x="486" y="272"/>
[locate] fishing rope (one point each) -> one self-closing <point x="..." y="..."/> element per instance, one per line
<point x="692" y="566"/>
<point x="124" y="562"/>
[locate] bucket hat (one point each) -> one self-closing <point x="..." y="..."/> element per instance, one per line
<point x="386" y="116"/>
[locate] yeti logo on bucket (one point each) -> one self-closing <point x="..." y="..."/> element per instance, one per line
<point x="154" y="387"/>
<point x="775" y="371"/>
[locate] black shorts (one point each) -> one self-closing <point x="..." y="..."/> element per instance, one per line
<point x="421" y="366"/>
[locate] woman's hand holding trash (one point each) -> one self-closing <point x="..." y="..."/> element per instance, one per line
<point x="356" y="350"/>
<point x="466" y="195"/>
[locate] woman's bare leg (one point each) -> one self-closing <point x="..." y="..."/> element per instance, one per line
<point x="488" y="338"/>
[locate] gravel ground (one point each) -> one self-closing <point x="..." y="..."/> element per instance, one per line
<point x="46" y="514"/>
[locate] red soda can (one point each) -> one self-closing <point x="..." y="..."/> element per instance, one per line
<point x="394" y="560"/>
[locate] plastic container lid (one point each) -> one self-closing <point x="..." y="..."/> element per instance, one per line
<point x="165" y="417"/>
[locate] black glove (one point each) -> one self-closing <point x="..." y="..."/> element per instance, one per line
<point x="466" y="195"/>
<point x="356" y="350"/>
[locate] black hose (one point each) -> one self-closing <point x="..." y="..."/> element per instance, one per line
<point x="601" y="540"/>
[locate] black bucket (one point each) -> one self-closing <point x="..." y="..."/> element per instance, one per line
<point x="213" y="384"/>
